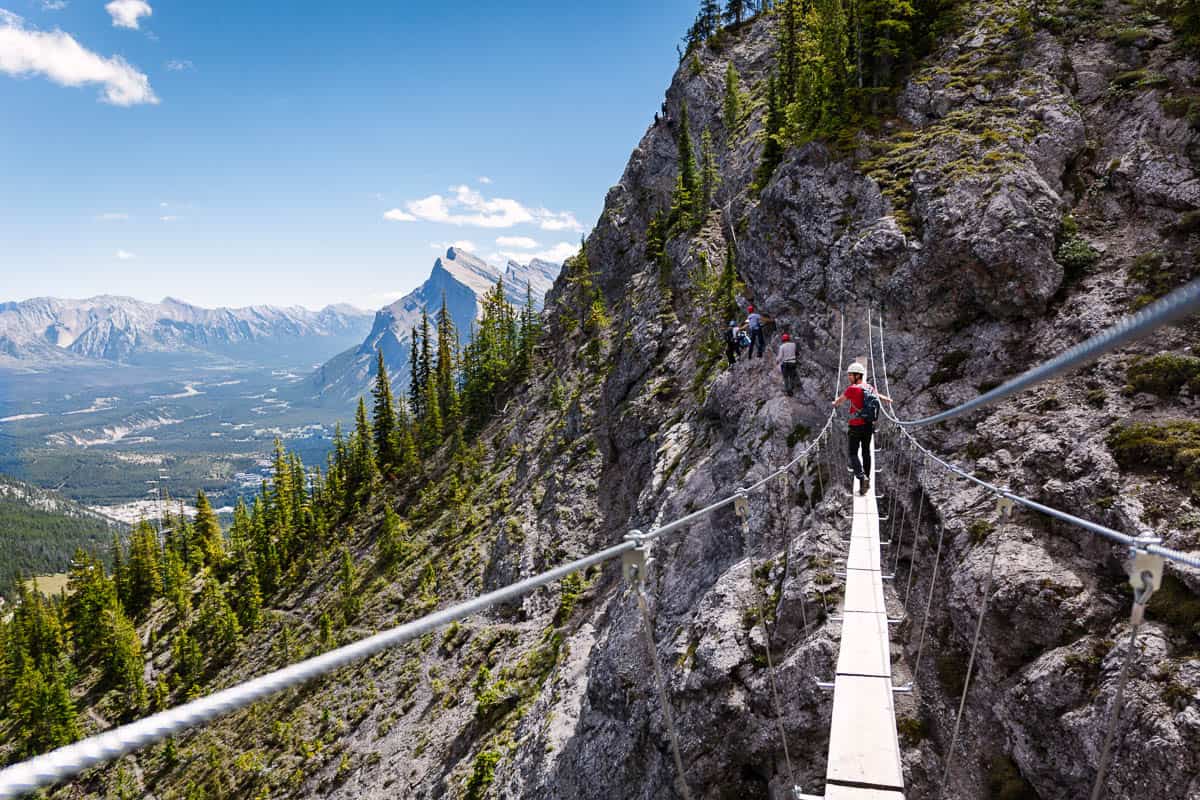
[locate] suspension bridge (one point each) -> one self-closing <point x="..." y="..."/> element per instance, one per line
<point x="864" y="760"/>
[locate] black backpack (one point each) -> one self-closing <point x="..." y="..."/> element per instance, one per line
<point x="869" y="412"/>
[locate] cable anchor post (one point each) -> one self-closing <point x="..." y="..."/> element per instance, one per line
<point x="1145" y="575"/>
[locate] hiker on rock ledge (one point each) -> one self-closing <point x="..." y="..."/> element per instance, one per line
<point x="787" y="364"/>
<point x="864" y="410"/>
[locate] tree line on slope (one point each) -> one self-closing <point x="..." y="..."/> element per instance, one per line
<point x="205" y="590"/>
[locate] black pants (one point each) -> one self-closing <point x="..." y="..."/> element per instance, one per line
<point x="759" y="337"/>
<point x="789" y="377"/>
<point x="731" y="350"/>
<point x="860" y="436"/>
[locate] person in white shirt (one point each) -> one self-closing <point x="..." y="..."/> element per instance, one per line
<point x="787" y="364"/>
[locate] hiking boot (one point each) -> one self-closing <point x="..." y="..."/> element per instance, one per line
<point x="866" y="484"/>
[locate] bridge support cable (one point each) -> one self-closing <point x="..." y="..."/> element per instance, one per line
<point x="937" y="559"/>
<point x="1145" y="575"/>
<point x="634" y="565"/>
<point x="1148" y="544"/>
<point x="962" y="702"/>
<point x="1172" y="308"/>
<point x="912" y="561"/>
<point x="743" y="513"/>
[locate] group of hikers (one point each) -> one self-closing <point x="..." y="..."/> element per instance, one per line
<point x="863" y="398"/>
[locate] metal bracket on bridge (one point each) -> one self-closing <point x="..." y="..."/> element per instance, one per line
<point x="822" y="684"/>
<point x="1145" y="574"/>
<point x="741" y="504"/>
<point x="633" y="562"/>
<point x="905" y="689"/>
<point x="1004" y="507"/>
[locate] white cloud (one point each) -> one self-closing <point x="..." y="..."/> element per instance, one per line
<point x="125" y="13"/>
<point x="64" y="61"/>
<point x="180" y="65"/>
<point x="519" y="242"/>
<point x="125" y="255"/>
<point x="112" y="216"/>
<point x="54" y="5"/>
<point x="469" y="207"/>
<point x="168" y="218"/>
<point x="484" y="179"/>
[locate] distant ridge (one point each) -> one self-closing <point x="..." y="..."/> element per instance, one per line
<point x="49" y="331"/>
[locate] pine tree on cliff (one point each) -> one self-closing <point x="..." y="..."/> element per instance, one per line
<point x="416" y="380"/>
<point x="790" y="34"/>
<point x="686" y="198"/>
<point x="734" y="11"/>
<point x="122" y="661"/>
<point x="362" y="472"/>
<point x="772" y="132"/>
<point x="710" y="177"/>
<point x="89" y="593"/>
<point x="208" y="531"/>
<point x="732" y="105"/>
<point x="447" y="367"/>
<point x="42" y="712"/>
<point x="384" y="418"/>
<point x="406" y="447"/>
<point x="143" y="570"/>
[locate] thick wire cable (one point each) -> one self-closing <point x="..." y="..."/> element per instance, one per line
<point x="1191" y="559"/>
<point x="962" y="702"/>
<point x="1173" y="307"/>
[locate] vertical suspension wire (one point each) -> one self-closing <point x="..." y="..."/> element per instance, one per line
<point x="962" y="701"/>
<point x="787" y="757"/>
<point x="1140" y="599"/>
<point x="912" y="468"/>
<point x="937" y="558"/>
<point x="912" y="562"/>
<point x="668" y="717"/>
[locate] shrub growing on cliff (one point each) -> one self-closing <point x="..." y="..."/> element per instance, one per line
<point x="1164" y="374"/>
<point x="1173" y="446"/>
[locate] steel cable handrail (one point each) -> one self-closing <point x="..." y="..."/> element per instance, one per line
<point x="48" y="768"/>
<point x="1140" y="543"/>
<point x="1176" y="305"/>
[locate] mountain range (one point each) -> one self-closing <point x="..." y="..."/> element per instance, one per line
<point x="459" y="277"/>
<point x="50" y="331"/>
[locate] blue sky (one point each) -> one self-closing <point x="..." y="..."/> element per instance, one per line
<point x="302" y="153"/>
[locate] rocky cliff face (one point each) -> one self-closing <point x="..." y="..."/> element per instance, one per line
<point x="462" y="279"/>
<point x="49" y="330"/>
<point x="1028" y="193"/>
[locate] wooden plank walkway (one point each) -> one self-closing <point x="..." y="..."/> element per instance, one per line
<point x="864" y="751"/>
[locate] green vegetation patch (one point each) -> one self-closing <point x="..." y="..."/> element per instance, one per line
<point x="1164" y="374"/>
<point x="1173" y="446"/>
<point x="1139" y="79"/>
<point x="1176" y="605"/>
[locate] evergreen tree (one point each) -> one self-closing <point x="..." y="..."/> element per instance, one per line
<point x="142" y="573"/>
<point x="416" y="383"/>
<point x="362" y="472"/>
<point x="176" y="586"/>
<point x="406" y="447"/>
<point x="209" y="539"/>
<point x="216" y="624"/>
<point x="189" y="660"/>
<point x="393" y="546"/>
<point x="686" y="197"/>
<point x="734" y="11"/>
<point x="123" y="662"/>
<point x="42" y="711"/>
<point x="731" y="108"/>
<point x="89" y="593"/>
<point x="384" y="418"/>
<point x="772" y="132"/>
<point x="447" y="357"/>
<point x="710" y="178"/>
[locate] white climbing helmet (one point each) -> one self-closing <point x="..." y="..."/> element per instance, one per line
<point x="857" y="367"/>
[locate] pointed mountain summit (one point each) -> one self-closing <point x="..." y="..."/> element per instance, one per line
<point x="463" y="278"/>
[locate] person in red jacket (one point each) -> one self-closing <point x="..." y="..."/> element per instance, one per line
<point x="861" y="428"/>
